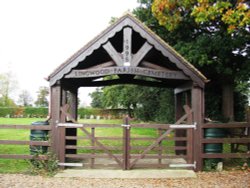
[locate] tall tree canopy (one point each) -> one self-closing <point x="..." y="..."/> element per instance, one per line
<point x="8" y="84"/>
<point x="233" y="14"/>
<point x="42" y="95"/>
<point x="212" y="35"/>
<point x="25" y="98"/>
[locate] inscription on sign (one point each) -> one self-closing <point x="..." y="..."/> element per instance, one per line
<point x="127" y="70"/>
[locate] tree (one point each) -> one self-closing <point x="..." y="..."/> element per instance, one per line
<point x="121" y="96"/>
<point x="206" y="39"/>
<point x="232" y="14"/>
<point x="42" y="100"/>
<point x="7" y="86"/>
<point x="25" y="98"/>
<point x="97" y="98"/>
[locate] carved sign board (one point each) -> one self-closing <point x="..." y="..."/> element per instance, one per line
<point x="127" y="70"/>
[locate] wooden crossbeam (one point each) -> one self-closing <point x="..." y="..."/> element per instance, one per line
<point x="113" y="53"/>
<point x="140" y="54"/>
<point x="153" y="66"/>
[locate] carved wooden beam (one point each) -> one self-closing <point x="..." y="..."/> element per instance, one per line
<point x="127" y="46"/>
<point x="176" y="75"/>
<point x="140" y="54"/>
<point x="113" y="53"/>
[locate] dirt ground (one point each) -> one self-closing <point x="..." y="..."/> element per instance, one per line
<point x="225" y="179"/>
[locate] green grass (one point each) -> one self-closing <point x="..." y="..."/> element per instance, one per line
<point x="13" y="165"/>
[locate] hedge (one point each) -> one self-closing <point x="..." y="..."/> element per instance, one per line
<point x="23" y="112"/>
<point x="27" y="112"/>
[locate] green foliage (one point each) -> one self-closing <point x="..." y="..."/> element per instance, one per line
<point x="233" y="14"/>
<point x="144" y="103"/>
<point x="220" y="54"/>
<point x="42" y="100"/>
<point x="96" y="98"/>
<point x="23" y="112"/>
<point x="7" y="86"/>
<point x="87" y="112"/>
<point x="35" y="112"/>
<point x="47" y="167"/>
<point x="4" y="111"/>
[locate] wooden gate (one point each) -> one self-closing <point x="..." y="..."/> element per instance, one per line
<point x="129" y="146"/>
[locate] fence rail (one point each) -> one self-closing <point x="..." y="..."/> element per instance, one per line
<point x="24" y="142"/>
<point x="238" y="133"/>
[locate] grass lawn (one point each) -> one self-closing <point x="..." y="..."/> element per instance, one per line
<point x="13" y="165"/>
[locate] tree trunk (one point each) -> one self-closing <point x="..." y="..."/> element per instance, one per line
<point x="228" y="101"/>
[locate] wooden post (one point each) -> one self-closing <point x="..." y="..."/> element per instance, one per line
<point x="92" y="162"/>
<point x="178" y="115"/>
<point x="126" y="145"/>
<point x="198" y="112"/>
<point x="72" y="101"/>
<point x="55" y="104"/>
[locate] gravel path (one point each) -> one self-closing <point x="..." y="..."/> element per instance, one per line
<point x="224" y="179"/>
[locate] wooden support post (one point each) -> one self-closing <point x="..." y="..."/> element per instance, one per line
<point x="198" y="112"/>
<point x="55" y="104"/>
<point x="178" y="115"/>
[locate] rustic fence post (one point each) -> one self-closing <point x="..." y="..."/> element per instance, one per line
<point x="61" y="147"/>
<point x="92" y="163"/>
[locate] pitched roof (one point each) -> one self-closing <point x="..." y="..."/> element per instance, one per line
<point x="130" y="21"/>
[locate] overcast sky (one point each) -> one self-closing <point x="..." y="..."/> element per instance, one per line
<point x="36" y="36"/>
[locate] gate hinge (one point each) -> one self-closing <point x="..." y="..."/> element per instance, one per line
<point x="183" y="165"/>
<point x="127" y="126"/>
<point x="183" y="126"/>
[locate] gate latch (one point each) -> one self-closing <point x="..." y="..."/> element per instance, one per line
<point x="127" y="126"/>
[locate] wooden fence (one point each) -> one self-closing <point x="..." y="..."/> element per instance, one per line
<point x="237" y="145"/>
<point x="236" y="134"/>
<point x="24" y="142"/>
